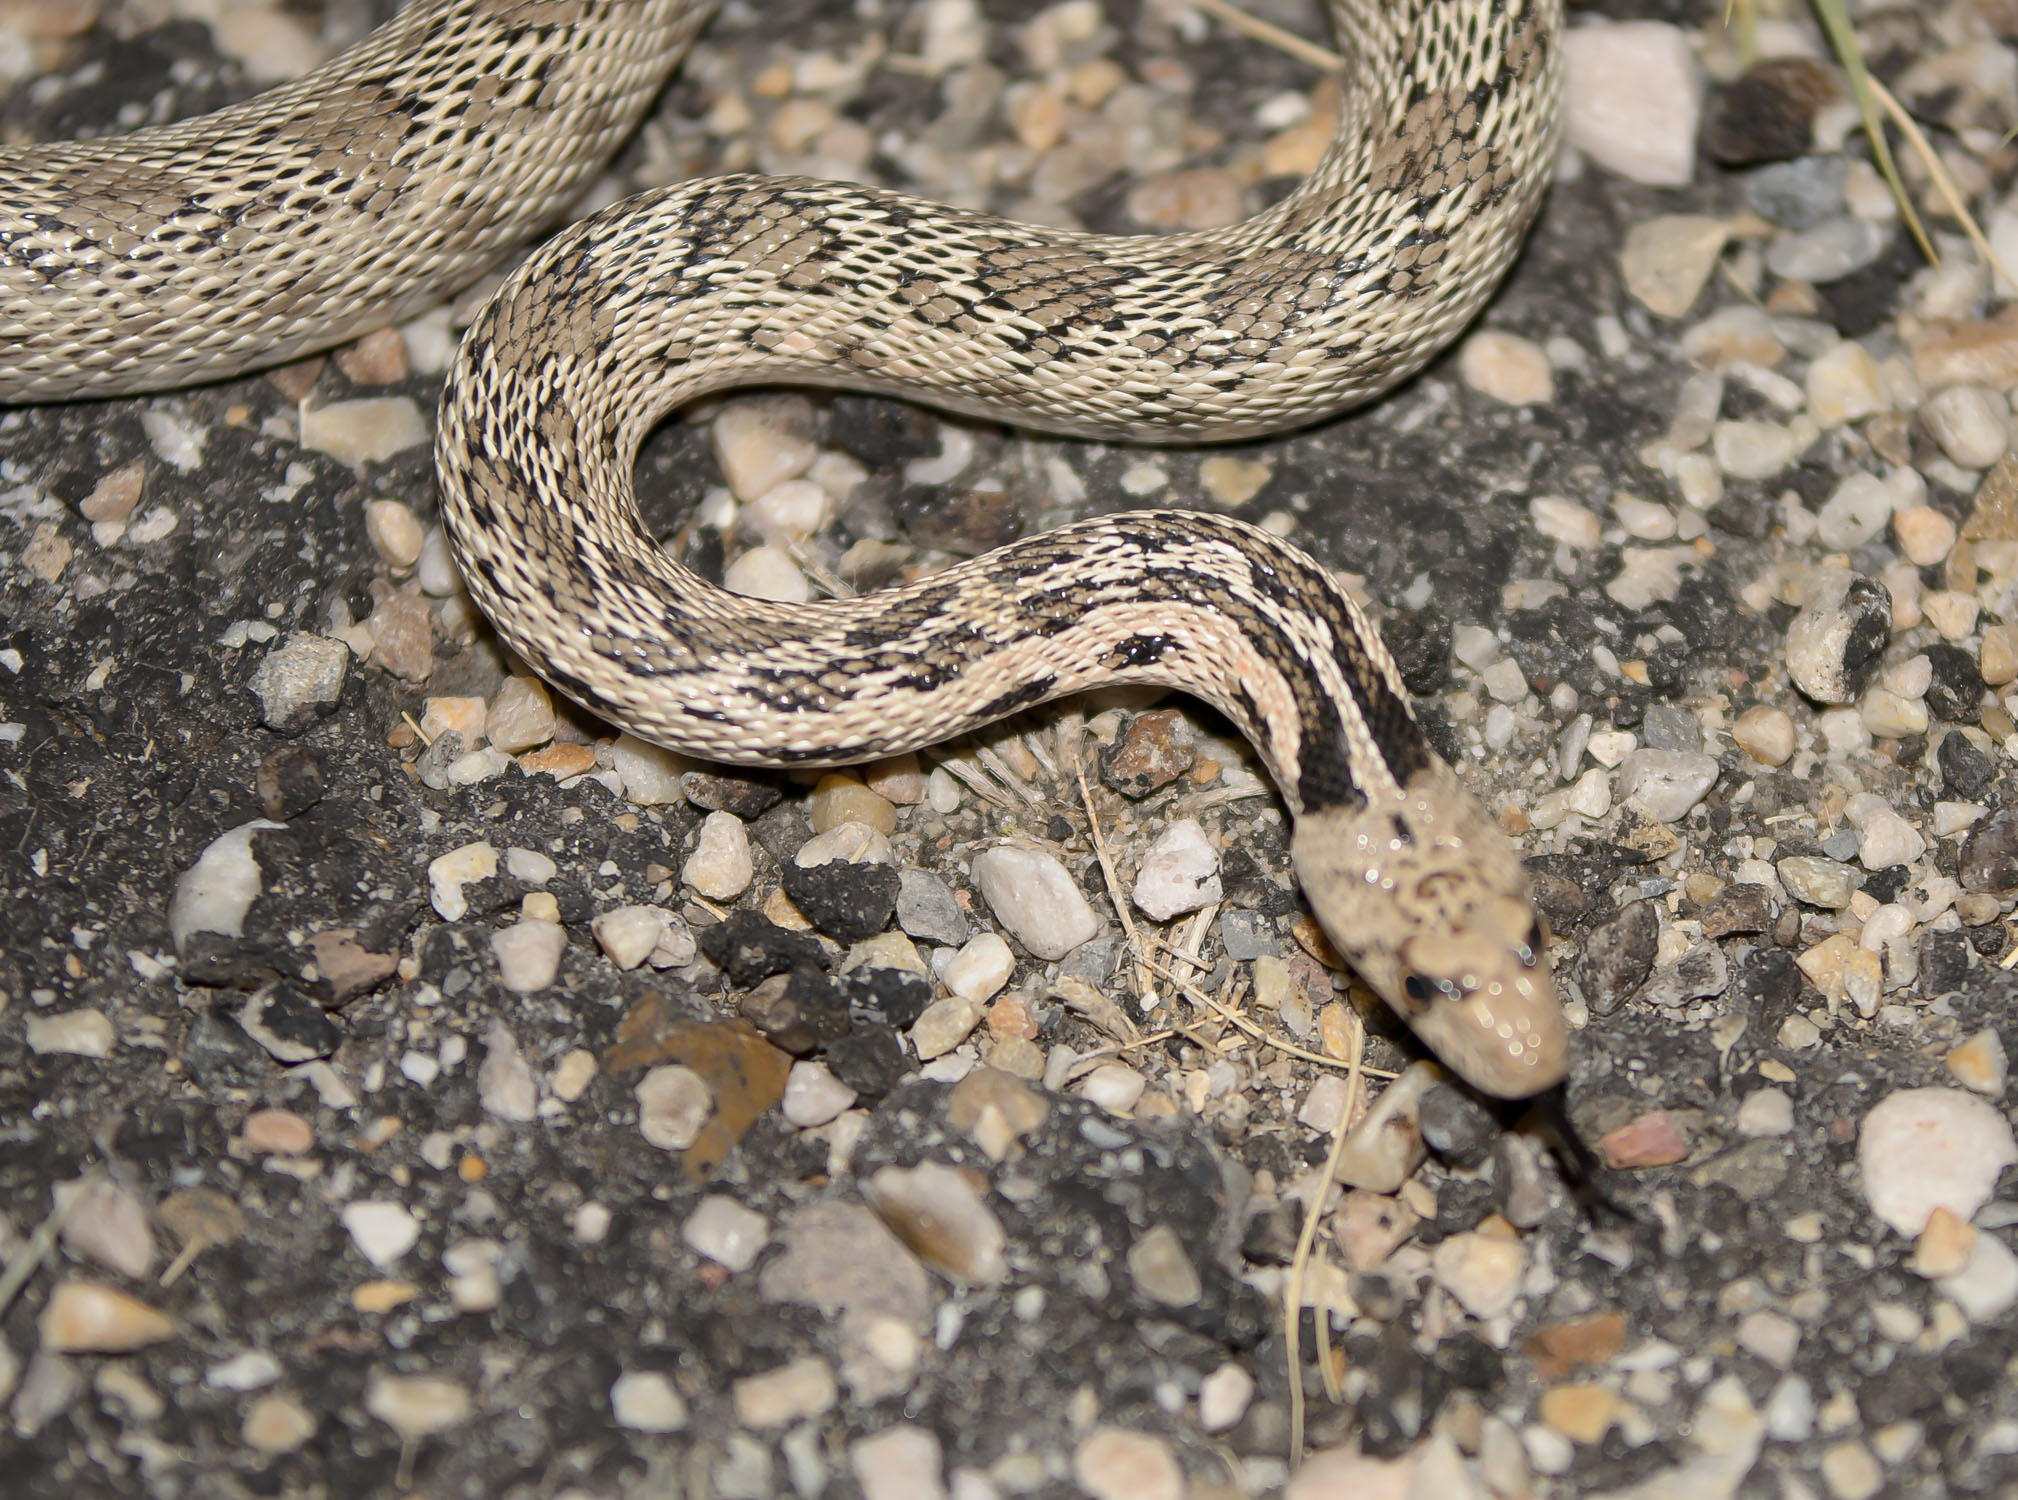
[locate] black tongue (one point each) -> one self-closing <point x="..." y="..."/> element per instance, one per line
<point x="1582" y="1170"/>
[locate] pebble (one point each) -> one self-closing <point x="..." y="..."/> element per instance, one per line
<point x="936" y="1211"/>
<point x="1980" y="1063"/>
<point x="721" y="866"/>
<point x="1765" y="1112"/>
<point x="417" y="1406"/>
<point x="1850" y="1472"/>
<point x="1033" y="896"/>
<point x="1988" y="860"/>
<point x="1888" y="839"/>
<point x="1649" y="576"/>
<point x="1668" y="783"/>
<point x="813" y="1095"/>
<point x="846" y="844"/>
<point x="1386" y="1145"/>
<point x="1618" y="955"/>
<point x="528" y="955"/>
<point x="277" y="1423"/>
<point x="367" y="431"/>
<point x="762" y="441"/>
<point x="842" y="799"/>
<point x="520" y="715"/>
<point x="1970" y="353"/>
<point x="1800" y="193"/>
<point x="1120" y="1464"/>
<point x="789" y="512"/>
<point x="1951" y="612"/>
<point x="1925" y="536"/>
<point x="1114" y="1086"/>
<point x="1178" y="874"/>
<point x="1649" y="1140"/>
<point x="277" y="1132"/>
<point x="1828" y="252"/>
<point x="944" y="1025"/>
<point x="504" y="1082"/>
<point x="1507" y="368"/>
<point x="1153" y="751"/>
<point x="1667" y="259"/>
<point x="1161" y="1269"/>
<point x="1482" y="1270"/>
<point x="74" y="1033"/>
<point x="1857" y="510"/>
<point x="726" y="1232"/>
<point x="630" y="934"/>
<point x="979" y="970"/>
<point x="903" y="1462"/>
<point x="1987" y="1286"/>
<point x="1922" y="1149"/>
<point x="1456" y="1126"/>
<point x="1766" y="734"/>
<point x="383" y="1230"/>
<point x="650" y="774"/>
<point x="88" y="1317"/>
<point x="1835" y="642"/>
<point x="1580" y="1411"/>
<point x="1760" y="450"/>
<point x="927" y="909"/>
<point x="1631" y="100"/>
<point x="1844" y="385"/>
<point x="673" y="1105"/>
<point x="105" y="1223"/>
<point x="897" y="779"/>
<point x="767" y="573"/>
<point x="1971" y="424"/>
<point x="646" y="1401"/>
<point x="299" y="680"/>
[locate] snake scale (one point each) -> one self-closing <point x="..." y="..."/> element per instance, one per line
<point x="398" y="172"/>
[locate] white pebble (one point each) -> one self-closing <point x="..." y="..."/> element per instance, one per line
<point x="1631" y="97"/>
<point x="813" y="1095"/>
<point x="1114" y="1086"/>
<point x="1668" y="783"/>
<point x="650" y="773"/>
<point x="1033" y="896"/>
<point x="979" y="969"/>
<point x="726" y="1232"/>
<point x="629" y="934"/>
<point x="1923" y="1149"/>
<point x="381" y="1229"/>
<point x="1179" y="874"/>
<point x="528" y="954"/>
<point x="673" y="1105"/>
<point x="767" y="573"/>
<point x="721" y="866"/>
<point x="646" y="1401"/>
<point x="1972" y="425"/>
<point x="1858" y="509"/>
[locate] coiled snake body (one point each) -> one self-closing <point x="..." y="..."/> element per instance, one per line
<point x="396" y="173"/>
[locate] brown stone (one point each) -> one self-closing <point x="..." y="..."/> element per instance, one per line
<point x="744" y="1073"/>
<point x="1154" y="751"/>
<point x="1651" y="1140"/>
<point x="1588" y="1341"/>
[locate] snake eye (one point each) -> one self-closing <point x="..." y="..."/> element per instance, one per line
<point x="1530" y="950"/>
<point x="1418" y="989"/>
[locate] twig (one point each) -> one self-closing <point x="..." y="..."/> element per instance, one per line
<point x="1144" y="986"/>
<point x="1292" y="1308"/>
<point x="1943" y="179"/>
<point x="1300" y="48"/>
<point x="37" y="1246"/>
<point x="1234" y="1018"/>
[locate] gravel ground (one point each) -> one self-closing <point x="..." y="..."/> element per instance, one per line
<point x="445" y="1096"/>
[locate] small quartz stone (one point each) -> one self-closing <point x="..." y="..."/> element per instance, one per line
<point x="1631" y="100"/>
<point x="1980" y="1064"/>
<point x="1113" y="1463"/>
<point x="673" y="1105"/>
<point x="979" y="970"/>
<point x="1922" y="1149"/>
<point x="843" y="799"/>
<point x="761" y="442"/>
<point x="1179" y="874"/>
<point x="1844" y="386"/>
<point x="277" y="1132"/>
<point x="520" y="716"/>
<point x="1765" y="734"/>
<point x="813" y="1095"/>
<point x="650" y="774"/>
<point x="1827" y="883"/>
<point x="1828" y="252"/>
<point x="395" y="531"/>
<point x="935" y="1210"/>
<point x="721" y="866"/>
<point x="1507" y="368"/>
<point x="1482" y="1271"/>
<point x="1386" y="1145"/>
<point x="944" y="1025"/>
<point x="726" y="1232"/>
<point x="1223" y="1397"/>
<point x="277" y="1423"/>
<point x="1766" y="1112"/>
<point x="904" y="1462"/>
<point x="646" y="1401"/>
<point x="88" y="1317"/>
<point x="1115" y="1087"/>
<point x="299" y="680"/>
<point x="1667" y="259"/>
<point x="1835" y="641"/>
<point x="1668" y="783"/>
<point x="1855" y="512"/>
<point x="1972" y="425"/>
<point x="629" y="934"/>
<point x="1925" y="535"/>
<point x="528" y="955"/>
<point x="367" y="431"/>
<point x="417" y="1406"/>
<point x="382" y="1230"/>
<point x="1032" y="895"/>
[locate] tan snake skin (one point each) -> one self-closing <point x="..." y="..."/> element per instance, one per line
<point x="388" y="177"/>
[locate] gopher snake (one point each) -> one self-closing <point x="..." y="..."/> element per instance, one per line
<point x="369" y="188"/>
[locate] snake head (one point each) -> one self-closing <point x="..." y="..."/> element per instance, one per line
<point x="1428" y="900"/>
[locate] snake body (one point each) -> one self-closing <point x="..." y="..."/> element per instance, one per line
<point x="395" y="173"/>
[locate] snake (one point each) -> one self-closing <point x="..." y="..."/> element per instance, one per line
<point x="410" y="164"/>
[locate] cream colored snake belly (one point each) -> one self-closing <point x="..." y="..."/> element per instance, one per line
<point x="398" y="172"/>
